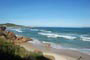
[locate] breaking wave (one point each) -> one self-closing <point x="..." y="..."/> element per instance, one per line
<point x="58" y="46"/>
<point x="65" y="36"/>
<point x="18" y="30"/>
<point x="40" y="30"/>
<point x="35" y="41"/>
<point x="45" y="31"/>
<point x="34" y="29"/>
<point x="85" y="38"/>
<point x="53" y="45"/>
<point x="53" y="35"/>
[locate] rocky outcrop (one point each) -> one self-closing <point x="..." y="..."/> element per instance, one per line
<point x="11" y="36"/>
<point x="21" y="39"/>
<point x="3" y="32"/>
<point x="2" y="28"/>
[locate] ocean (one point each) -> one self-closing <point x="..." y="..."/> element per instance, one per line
<point x="58" y="37"/>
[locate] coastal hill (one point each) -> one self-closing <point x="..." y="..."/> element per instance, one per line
<point x="13" y="25"/>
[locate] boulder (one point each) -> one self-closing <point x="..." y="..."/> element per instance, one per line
<point x="2" y="28"/>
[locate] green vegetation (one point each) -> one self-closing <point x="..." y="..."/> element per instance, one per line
<point x="9" y="51"/>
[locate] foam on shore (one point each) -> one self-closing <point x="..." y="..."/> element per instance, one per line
<point x="57" y="46"/>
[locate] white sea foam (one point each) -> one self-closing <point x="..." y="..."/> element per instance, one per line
<point x="41" y="30"/>
<point x="49" y="34"/>
<point x="18" y="30"/>
<point x="53" y="35"/>
<point x="85" y="38"/>
<point x="54" y="45"/>
<point x="58" y="46"/>
<point x="68" y="37"/>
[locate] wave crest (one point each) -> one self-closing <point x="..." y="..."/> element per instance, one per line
<point x="18" y="30"/>
<point x="53" y="35"/>
<point x="85" y="38"/>
<point x="34" y="29"/>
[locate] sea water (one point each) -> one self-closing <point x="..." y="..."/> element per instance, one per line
<point x="58" y="37"/>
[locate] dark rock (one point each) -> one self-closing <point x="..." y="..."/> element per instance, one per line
<point x="2" y="28"/>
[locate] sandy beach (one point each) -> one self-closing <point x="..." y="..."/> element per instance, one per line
<point x="58" y="54"/>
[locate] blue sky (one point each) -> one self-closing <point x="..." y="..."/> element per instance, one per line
<point x="56" y="13"/>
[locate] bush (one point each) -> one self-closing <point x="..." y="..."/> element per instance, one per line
<point x="9" y="51"/>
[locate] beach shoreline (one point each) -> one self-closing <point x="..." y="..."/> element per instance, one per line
<point x="58" y="54"/>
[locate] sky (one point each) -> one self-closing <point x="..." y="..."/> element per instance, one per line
<point x="46" y="13"/>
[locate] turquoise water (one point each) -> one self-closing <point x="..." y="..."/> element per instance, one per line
<point x="71" y="38"/>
